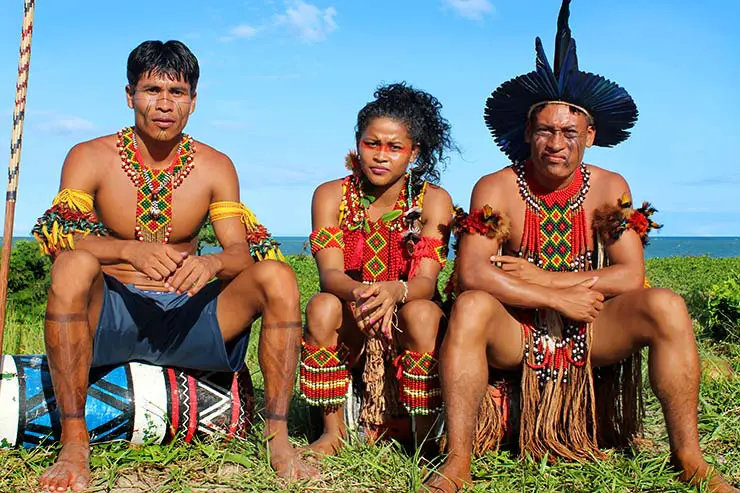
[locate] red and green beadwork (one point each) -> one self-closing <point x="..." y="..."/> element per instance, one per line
<point x="324" y="375"/>
<point x="154" y="186"/>
<point x="322" y="238"/>
<point x="418" y="378"/>
<point x="555" y="239"/>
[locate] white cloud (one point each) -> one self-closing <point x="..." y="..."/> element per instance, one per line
<point x="308" y="21"/>
<point x="63" y="124"/>
<point x="242" y="31"/>
<point x="470" y="9"/>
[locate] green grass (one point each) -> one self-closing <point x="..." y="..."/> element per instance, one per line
<point x="209" y="466"/>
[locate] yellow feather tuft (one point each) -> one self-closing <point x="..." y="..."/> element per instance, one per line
<point x="78" y="200"/>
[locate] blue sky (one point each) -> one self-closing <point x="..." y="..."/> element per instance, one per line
<point x="282" y="82"/>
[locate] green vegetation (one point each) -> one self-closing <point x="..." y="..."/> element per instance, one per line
<point x="722" y="317"/>
<point x="709" y="285"/>
<point x="206" y="237"/>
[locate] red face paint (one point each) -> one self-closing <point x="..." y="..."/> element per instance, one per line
<point x="392" y="149"/>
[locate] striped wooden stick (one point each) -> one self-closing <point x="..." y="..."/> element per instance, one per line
<point x="15" y="155"/>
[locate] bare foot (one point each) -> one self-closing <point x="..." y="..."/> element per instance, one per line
<point x="446" y="479"/>
<point x="327" y="444"/>
<point x="71" y="470"/>
<point x="715" y="482"/>
<point x="288" y="464"/>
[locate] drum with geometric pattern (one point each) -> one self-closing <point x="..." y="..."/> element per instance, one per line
<point x="136" y="402"/>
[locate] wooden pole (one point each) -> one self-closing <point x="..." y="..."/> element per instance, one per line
<point x="14" y="165"/>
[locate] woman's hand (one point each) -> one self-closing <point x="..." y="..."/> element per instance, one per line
<point x="375" y="305"/>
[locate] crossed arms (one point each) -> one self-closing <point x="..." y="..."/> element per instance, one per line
<point x="578" y="295"/>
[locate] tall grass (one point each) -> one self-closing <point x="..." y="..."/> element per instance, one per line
<point x="242" y="465"/>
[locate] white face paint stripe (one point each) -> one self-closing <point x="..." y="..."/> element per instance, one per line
<point x="9" y="401"/>
<point x="150" y="403"/>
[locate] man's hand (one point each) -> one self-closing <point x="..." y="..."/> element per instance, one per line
<point x="195" y="272"/>
<point x="521" y="269"/>
<point x="155" y="260"/>
<point x="374" y="306"/>
<point x="579" y="302"/>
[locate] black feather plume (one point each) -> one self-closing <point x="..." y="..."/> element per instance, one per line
<point x="613" y="110"/>
<point x="563" y="40"/>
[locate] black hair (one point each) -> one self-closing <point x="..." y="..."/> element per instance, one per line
<point x="536" y="111"/>
<point x="173" y="59"/>
<point x="421" y="112"/>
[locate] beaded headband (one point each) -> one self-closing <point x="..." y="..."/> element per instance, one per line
<point x="566" y="103"/>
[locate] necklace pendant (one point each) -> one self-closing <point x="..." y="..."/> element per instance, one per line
<point x="154" y="212"/>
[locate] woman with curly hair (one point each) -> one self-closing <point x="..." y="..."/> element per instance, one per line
<point x="380" y="241"/>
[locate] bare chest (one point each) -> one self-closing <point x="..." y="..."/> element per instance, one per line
<point x="517" y="212"/>
<point x="121" y="205"/>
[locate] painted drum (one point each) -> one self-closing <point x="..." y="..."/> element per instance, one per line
<point x="135" y="402"/>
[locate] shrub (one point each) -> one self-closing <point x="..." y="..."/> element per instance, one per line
<point x="27" y="266"/>
<point x="206" y="237"/>
<point x="722" y="314"/>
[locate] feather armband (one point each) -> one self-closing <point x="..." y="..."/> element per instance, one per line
<point x="610" y="221"/>
<point x="427" y="247"/>
<point x="261" y="244"/>
<point x="322" y="238"/>
<point x="485" y="222"/>
<point x="71" y="213"/>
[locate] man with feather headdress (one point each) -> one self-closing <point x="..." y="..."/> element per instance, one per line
<point x="550" y="289"/>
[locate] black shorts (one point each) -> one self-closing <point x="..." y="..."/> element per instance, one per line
<point x="165" y="329"/>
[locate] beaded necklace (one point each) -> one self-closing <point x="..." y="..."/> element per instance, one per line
<point x="555" y="223"/>
<point x="379" y="253"/>
<point x="555" y="239"/>
<point x="154" y="186"/>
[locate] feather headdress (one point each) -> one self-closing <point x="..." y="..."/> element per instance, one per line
<point x="507" y="109"/>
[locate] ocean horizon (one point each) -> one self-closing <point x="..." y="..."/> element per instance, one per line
<point x="659" y="247"/>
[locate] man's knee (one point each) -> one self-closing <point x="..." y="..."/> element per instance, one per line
<point x="667" y="313"/>
<point x="323" y="312"/>
<point x="276" y="281"/>
<point x="472" y="314"/>
<point x="420" y="320"/>
<point x="73" y="274"/>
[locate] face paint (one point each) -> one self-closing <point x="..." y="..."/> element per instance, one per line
<point x="392" y="149"/>
<point x="154" y="99"/>
<point x="161" y="105"/>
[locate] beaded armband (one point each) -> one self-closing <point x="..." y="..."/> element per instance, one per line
<point x="427" y="247"/>
<point x="331" y="237"/>
<point x="324" y="375"/>
<point x="418" y="378"/>
<point x="71" y="213"/>
<point x="610" y="221"/>
<point x="261" y="244"/>
<point x="485" y="222"/>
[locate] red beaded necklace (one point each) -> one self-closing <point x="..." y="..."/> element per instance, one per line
<point x="555" y="235"/>
<point x="378" y="255"/>
<point x="555" y="239"/>
<point x="154" y="186"/>
<point x="377" y="248"/>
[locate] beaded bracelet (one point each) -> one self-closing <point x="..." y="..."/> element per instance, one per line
<point x="405" y="292"/>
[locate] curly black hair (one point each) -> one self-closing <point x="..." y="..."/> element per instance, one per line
<point x="422" y="114"/>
